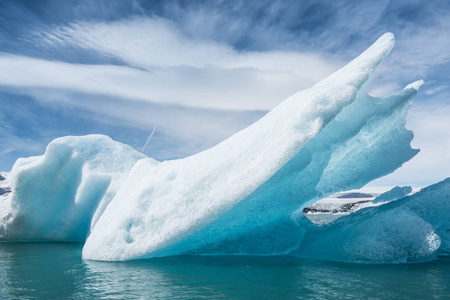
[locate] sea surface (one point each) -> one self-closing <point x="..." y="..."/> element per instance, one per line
<point x="56" y="271"/>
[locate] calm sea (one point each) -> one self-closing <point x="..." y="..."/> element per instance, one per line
<point x="56" y="271"/>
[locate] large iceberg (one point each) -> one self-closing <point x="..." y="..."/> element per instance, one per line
<point x="243" y="196"/>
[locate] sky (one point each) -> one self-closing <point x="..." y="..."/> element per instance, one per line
<point x="189" y="74"/>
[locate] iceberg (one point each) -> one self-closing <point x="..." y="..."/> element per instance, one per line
<point x="5" y="186"/>
<point x="5" y="190"/>
<point x="242" y="196"/>
<point x="412" y="229"/>
<point x="58" y="196"/>
<point x="333" y="207"/>
<point x="393" y="194"/>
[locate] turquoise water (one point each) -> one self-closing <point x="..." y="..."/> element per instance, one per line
<point x="56" y="271"/>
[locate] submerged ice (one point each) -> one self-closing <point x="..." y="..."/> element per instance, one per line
<point x="246" y="194"/>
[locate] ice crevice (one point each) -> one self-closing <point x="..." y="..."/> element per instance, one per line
<point x="242" y="196"/>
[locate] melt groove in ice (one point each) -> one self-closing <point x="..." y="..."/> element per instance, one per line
<point x="242" y="196"/>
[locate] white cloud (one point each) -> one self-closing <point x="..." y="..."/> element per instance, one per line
<point x="163" y="66"/>
<point x="208" y="87"/>
<point x="157" y="43"/>
<point x="435" y="90"/>
<point x="421" y="52"/>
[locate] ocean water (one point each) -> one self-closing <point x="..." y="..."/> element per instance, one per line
<point x="56" y="271"/>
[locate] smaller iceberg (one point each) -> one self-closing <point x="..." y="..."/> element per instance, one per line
<point x="393" y="194"/>
<point x="333" y="207"/>
<point x="5" y="186"/>
<point x="336" y="206"/>
<point x="5" y="192"/>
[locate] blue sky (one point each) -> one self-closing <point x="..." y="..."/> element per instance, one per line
<point x="195" y="72"/>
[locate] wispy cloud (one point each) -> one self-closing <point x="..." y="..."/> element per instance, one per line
<point x="209" y="87"/>
<point x="158" y="43"/>
<point x="435" y="90"/>
<point x="163" y="66"/>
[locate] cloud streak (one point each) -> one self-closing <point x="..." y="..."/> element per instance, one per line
<point x="209" y="87"/>
<point x="162" y="66"/>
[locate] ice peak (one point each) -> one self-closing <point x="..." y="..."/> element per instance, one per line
<point x="414" y="85"/>
<point x="382" y="47"/>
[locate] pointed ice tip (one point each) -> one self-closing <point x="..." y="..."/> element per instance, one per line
<point x="386" y="41"/>
<point x="373" y="56"/>
<point x="388" y="36"/>
<point x="415" y="85"/>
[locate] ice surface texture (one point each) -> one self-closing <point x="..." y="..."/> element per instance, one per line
<point x="243" y="196"/>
